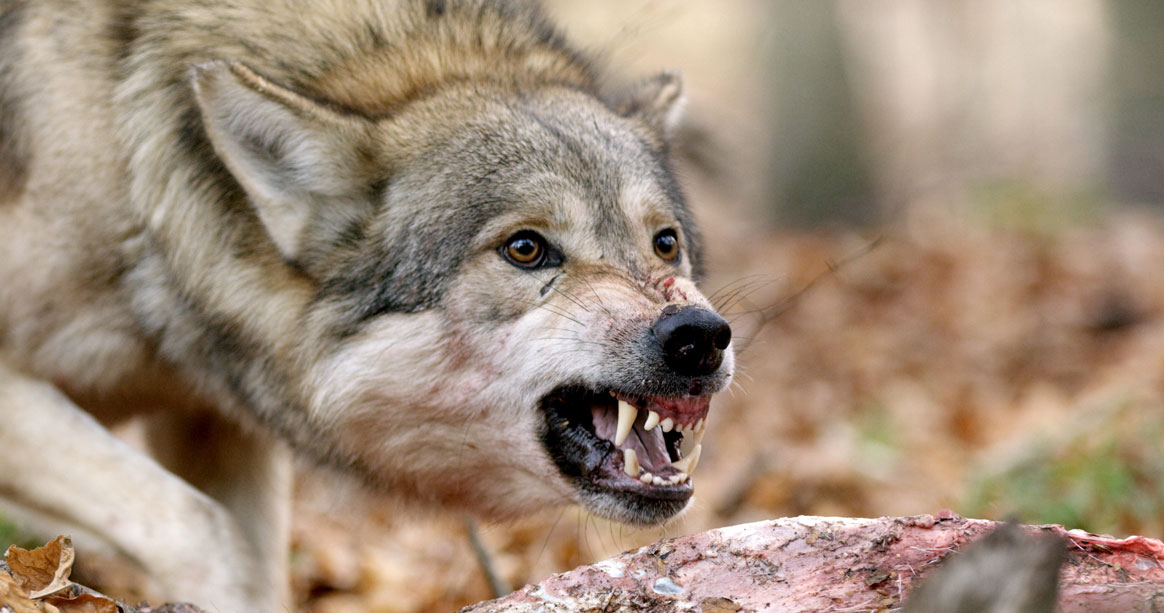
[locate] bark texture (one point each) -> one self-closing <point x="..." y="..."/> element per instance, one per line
<point x="833" y="564"/>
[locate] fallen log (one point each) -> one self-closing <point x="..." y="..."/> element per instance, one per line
<point x="818" y="564"/>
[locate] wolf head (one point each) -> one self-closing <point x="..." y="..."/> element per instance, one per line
<point x="504" y="314"/>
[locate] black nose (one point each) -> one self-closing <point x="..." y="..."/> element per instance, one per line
<point x="693" y="339"/>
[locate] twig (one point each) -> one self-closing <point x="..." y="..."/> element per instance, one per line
<point x="767" y="314"/>
<point x="496" y="583"/>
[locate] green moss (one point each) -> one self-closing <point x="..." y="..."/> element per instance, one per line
<point x="11" y="534"/>
<point x="1024" y="206"/>
<point x="1107" y="478"/>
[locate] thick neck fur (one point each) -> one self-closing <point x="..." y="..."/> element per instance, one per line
<point x="372" y="56"/>
<point x="456" y="46"/>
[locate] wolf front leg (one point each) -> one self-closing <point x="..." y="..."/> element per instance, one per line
<point x="248" y="472"/>
<point x="58" y="461"/>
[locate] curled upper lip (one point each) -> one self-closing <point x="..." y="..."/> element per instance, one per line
<point x="687" y="411"/>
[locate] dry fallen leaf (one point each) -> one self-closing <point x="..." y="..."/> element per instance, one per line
<point x="85" y="603"/>
<point x="14" y="597"/>
<point x="44" y="570"/>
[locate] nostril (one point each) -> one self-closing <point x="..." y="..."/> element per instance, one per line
<point x="692" y="339"/>
<point x="723" y="337"/>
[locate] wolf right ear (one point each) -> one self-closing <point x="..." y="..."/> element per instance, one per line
<point x="657" y="102"/>
<point x="299" y="161"/>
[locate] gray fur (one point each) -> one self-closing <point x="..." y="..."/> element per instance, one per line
<point x="13" y="151"/>
<point x="1007" y="571"/>
<point x="288" y="226"/>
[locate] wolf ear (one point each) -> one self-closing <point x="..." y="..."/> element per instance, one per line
<point x="297" y="160"/>
<point x="657" y="102"/>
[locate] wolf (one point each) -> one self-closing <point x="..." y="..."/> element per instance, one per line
<point x="421" y="242"/>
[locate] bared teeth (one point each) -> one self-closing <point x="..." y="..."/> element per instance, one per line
<point x="697" y="437"/>
<point x="692" y="439"/>
<point x="687" y="464"/>
<point x="627" y="414"/>
<point x="652" y="421"/>
<point x="693" y="459"/>
<point x="630" y="462"/>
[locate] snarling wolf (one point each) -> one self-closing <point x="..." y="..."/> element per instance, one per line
<point x="418" y="241"/>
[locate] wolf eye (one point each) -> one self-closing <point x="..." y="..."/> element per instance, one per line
<point x="667" y="245"/>
<point x="525" y="249"/>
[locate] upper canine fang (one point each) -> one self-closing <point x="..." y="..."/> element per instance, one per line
<point x="627" y="414"/>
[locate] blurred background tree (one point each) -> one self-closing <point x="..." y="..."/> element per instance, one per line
<point x="1135" y="76"/>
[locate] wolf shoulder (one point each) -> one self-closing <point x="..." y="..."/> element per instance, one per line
<point x="67" y="238"/>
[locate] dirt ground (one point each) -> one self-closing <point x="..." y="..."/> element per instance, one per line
<point x="997" y="370"/>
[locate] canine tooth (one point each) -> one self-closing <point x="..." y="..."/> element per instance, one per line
<point x="693" y="459"/>
<point x="687" y="464"/>
<point x="697" y="438"/>
<point x="667" y="424"/>
<point x="630" y="462"/>
<point x="652" y="421"/>
<point x="626" y="420"/>
<point x="646" y="477"/>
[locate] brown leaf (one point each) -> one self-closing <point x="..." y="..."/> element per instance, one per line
<point x="44" y="570"/>
<point x="85" y="603"/>
<point x="14" y="597"/>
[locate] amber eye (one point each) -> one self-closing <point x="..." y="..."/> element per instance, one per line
<point x="525" y="249"/>
<point x="667" y="245"/>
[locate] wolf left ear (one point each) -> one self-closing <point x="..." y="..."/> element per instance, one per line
<point x="297" y="160"/>
<point x="657" y="102"/>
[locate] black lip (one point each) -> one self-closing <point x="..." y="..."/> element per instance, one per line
<point x="594" y="466"/>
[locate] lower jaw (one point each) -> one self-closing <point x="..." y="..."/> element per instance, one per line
<point x="632" y="508"/>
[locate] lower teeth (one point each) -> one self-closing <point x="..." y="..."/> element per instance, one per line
<point x="630" y="462"/>
<point x="630" y="465"/>
<point x="690" y="446"/>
